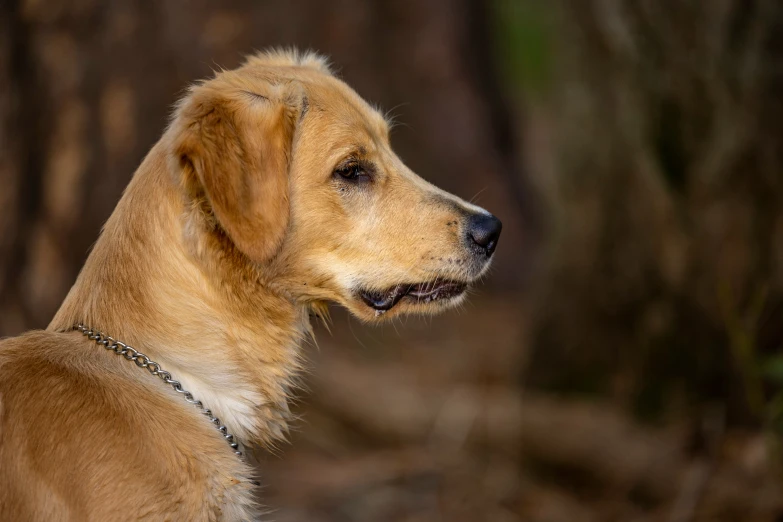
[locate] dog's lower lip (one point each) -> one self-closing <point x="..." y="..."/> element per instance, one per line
<point x="383" y="300"/>
<point x="420" y="292"/>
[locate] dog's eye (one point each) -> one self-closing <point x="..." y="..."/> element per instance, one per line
<point x="352" y="172"/>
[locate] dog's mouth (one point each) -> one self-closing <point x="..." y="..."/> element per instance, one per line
<point x="438" y="290"/>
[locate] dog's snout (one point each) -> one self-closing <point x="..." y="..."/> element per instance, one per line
<point x="484" y="232"/>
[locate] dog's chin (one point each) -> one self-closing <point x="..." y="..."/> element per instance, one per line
<point x="425" y="298"/>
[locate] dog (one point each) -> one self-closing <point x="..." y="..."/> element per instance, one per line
<point x="273" y="192"/>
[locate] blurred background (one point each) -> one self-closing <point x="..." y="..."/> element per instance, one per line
<point x="623" y="360"/>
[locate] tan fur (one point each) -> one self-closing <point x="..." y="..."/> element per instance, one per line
<point x="233" y="229"/>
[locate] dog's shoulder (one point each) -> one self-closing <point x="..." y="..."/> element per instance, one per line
<point x="77" y="421"/>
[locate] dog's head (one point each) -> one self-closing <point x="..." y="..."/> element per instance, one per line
<point x="296" y="172"/>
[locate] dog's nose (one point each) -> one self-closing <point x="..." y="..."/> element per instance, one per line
<point x="484" y="232"/>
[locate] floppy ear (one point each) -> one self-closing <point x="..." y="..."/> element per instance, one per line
<point x="237" y="148"/>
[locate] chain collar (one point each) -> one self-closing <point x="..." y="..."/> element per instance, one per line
<point x="142" y="361"/>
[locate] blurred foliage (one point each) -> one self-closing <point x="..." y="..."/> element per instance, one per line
<point x="772" y="368"/>
<point x="523" y="43"/>
<point x="667" y="207"/>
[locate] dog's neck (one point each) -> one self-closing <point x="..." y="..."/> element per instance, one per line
<point x="153" y="281"/>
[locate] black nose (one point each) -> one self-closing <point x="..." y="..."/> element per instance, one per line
<point x="483" y="232"/>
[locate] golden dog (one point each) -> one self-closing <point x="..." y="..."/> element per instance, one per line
<point x="273" y="191"/>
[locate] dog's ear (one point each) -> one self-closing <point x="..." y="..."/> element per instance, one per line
<point x="235" y="149"/>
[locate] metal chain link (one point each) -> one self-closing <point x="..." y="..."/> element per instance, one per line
<point x="142" y="361"/>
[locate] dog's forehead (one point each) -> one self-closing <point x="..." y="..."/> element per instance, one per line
<point x="336" y="100"/>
